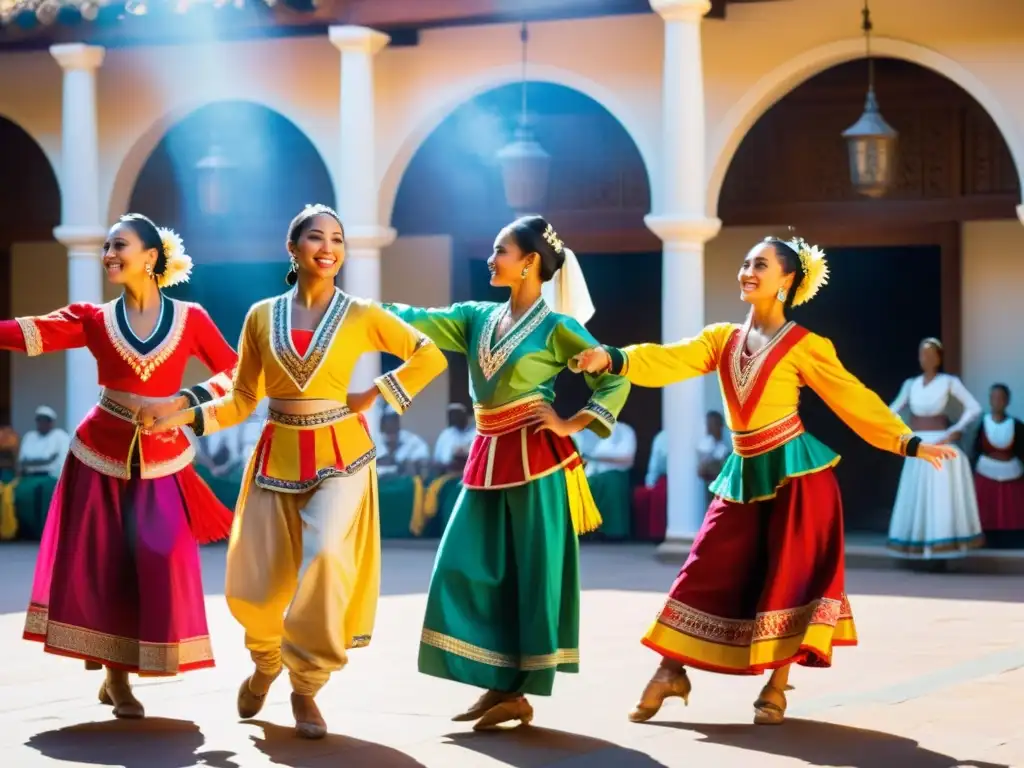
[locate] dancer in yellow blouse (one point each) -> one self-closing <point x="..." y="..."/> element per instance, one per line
<point x="763" y="586"/>
<point x="309" y="496"/>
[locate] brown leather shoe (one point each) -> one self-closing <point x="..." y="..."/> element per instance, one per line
<point x="252" y="694"/>
<point x="309" y="723"/>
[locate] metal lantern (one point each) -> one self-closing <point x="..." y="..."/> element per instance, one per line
<point x="524" y="163"/>
<point x="871" y="145"/>
<point x="524" y="169"/>
<point x="213" y="174"/>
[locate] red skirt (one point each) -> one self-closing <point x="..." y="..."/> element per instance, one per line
<point x="763" y="586"/>
<point x="118" y="578"/>
<point x="1000" y="505"/>
<point x="650" y="511"/>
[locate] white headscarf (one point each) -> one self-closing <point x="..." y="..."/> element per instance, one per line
<point x="567" y="293"/>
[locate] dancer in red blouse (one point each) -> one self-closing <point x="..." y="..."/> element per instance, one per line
<point x="118" y="581"/>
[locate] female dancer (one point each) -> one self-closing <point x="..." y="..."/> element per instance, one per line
<point x="999" y="472"/>
<point x="503" y="606"/>
<point x="310" y="490"/>
<point x="936" y="513"/>
<point x="763" y="585"/>
<point x="118" y="581"/>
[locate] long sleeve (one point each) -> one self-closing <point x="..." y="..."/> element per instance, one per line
<point x="903" y="398"/>
<point x="423" y="360"/>
<point x="860" y="408"/>
<point x="658" y="365"/>
<point x="610" y="392"/>
<point x="447" y="327"/>
<point x="213" y="351"/>
<point x="238" y="403"/>
<point x="55" y="332"/>
<point x="971" y="407"/>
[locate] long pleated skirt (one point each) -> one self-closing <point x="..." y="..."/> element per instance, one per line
<point x="763" y="586"/>
<point x="118" y="577"/>
<point x="503" y="606"/>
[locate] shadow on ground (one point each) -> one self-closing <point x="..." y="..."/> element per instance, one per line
<point x="531" y="747"/>
<point x="827" y="744"/>
<point x="281" y="746"/>
<point x="154" y="742"/>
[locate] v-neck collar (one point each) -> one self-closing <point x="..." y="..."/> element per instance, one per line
<point x="301" y="369"/>
<point x="493" y="354"/>
<point x="163" y="326"/>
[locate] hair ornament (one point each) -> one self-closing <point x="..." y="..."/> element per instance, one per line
<point x="315" y="209"/>
<point x="178" y="264"/>
<point x="815" y="268"/>
<point x="552" y="237"/>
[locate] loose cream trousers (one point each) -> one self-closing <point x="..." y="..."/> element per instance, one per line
<point x="303" y="575"/>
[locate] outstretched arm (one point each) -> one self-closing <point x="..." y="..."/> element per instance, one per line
<point x="658" y="365"/>
<point x="55" y="332"/>
<point x="213" y="350"/>
<point x="860" y="408"/>
<point x="447" y="327"/>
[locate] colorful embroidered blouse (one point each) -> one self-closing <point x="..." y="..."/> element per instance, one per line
<point x="762" y="395"/>
<point x="151" y="368"/>
<point x="508" y="377"/>
<point x="295" y="453"/>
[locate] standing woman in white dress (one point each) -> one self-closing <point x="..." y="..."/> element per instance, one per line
<point x="936" y="513"/>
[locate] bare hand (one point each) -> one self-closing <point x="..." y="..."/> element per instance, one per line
<point x="175" y="420"/>
<point x="546" y="418"/>
<point x="935" y="454"/>
<point x="362" y="401"/>
<point x="594" y="360"/>
<point x="148" y="414"/>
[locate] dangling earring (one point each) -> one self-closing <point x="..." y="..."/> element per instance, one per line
<point x="294" y="264"/>
<point x="781" y="295"/>
<point x="524" y="273"/>
<point x="149" y="270"/>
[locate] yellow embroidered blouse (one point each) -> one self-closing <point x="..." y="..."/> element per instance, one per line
<point x="764" y="388"/>
<point x="296" y="452"/>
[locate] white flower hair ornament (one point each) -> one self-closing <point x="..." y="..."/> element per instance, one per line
<point x="178" y="265"/>
<point x="815" y="268"/>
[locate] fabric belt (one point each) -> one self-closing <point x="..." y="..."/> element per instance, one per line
<point x="511" y="417"/>
<point x="767" y="438"/>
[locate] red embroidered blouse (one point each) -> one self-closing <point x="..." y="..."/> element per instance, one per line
<point x="150" y="368"/>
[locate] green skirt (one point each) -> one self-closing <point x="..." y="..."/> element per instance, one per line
<point x="504" y="601"/>
<point x="613" y="495"/>
<point x="32" y="498"/>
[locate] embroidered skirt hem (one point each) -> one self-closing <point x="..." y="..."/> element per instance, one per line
<point x="763" y="586"/>
<point x="503" y="606"/>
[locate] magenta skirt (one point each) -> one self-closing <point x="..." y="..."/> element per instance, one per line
<point x="118" y="578"/>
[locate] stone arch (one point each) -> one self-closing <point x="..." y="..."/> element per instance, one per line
<point x="738" y="121"/>
<point x="150" y="137"/>
<point x="479" y="83"/>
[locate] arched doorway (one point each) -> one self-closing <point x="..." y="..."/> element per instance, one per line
<point x="33" y="271"/>
<point x="598" y="194"/>
<point x="238" y="252"/>
<point x="897" y="263"/>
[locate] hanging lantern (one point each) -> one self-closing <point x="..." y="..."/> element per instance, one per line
<point x="524" y="168"/>
<point x="871" y="141"/>
<point x="213" y="176"/>
<point x="524" y="163"/>
<point x="871" y="144"/>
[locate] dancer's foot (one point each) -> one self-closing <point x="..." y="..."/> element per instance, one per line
<point x="506" y="711"/>
<point x="666" y="683"/>
<point x="770" y="707"/>
<point x="116" y="692"/>
<point x="252" y="695"/>
<point x="309" y="723"/>
<point x="487" y="700"/>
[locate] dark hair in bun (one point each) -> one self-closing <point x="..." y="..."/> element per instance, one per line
<point x="533" y="234"/>
<point x="146" y="231"/>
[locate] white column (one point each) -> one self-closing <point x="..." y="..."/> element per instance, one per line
<point x="82" y="228"/>
<point x="684" y="227"/>
<point x="357" y="181"/>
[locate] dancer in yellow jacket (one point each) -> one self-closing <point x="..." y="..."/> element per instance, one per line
<point x="303" y="567"/>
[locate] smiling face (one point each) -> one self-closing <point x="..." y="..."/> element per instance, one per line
<point x="761" y="275"/>
<point x="507" y="261"/>
<point x="320" y="250"/>
<point x="124" y="256"/>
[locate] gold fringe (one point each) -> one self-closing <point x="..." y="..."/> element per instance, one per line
<point x="419" y="519"/>
<point x="8" y="518"/>
<point x="582" y="508"/>
<point x="431" y="500"/>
